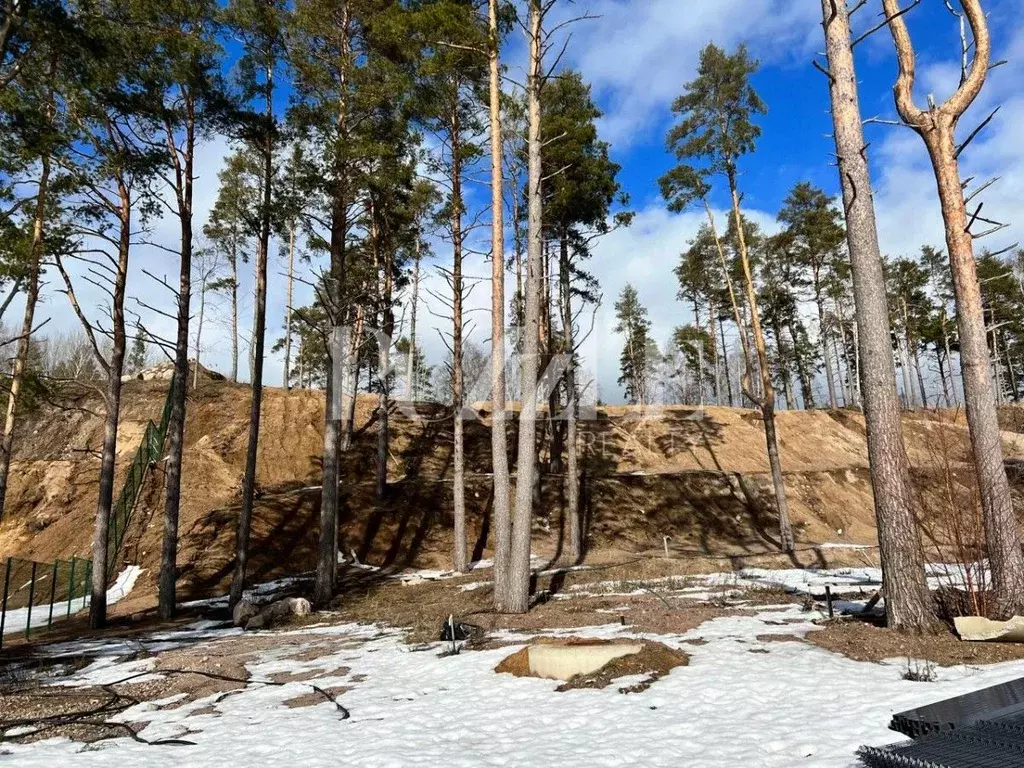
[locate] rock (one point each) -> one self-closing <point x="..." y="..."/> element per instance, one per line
<point x="978" y="628"/>
<point x="256" y="622"/>
<point x="244" y="611"/>
<point x="165" y="372"/>
<point x="289" y="606"/>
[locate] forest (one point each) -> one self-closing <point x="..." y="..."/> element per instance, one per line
<point x="371" y="143"/>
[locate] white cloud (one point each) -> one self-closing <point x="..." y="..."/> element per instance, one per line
<point x="638" y="55"/>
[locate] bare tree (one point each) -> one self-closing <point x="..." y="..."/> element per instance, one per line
<point x="501" y="510"/>
<point x="119" y="203"/>
<point x="265" y="47"/>
<point x="208" y="266"/>
<point x="907" y="601"/>
<point x="517" y="595"/>
<point x="937" y="127"/>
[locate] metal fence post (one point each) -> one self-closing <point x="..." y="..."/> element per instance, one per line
<point x="53" y="593"/>
<point x="3" y="605"/>
<point x="71" y="587"/>
<point x="31" y="597"/>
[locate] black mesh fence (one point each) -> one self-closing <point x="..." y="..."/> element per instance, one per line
<point x="33" y="595"/>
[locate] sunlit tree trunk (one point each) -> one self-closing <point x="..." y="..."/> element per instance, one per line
<point x="522" y="523"/>
<point x="501" y="515"/>
<point x="936" y="126"/>
<point x="183" y="163"/>
<point x="907" y="601"/>
<point x="27" y="327"/>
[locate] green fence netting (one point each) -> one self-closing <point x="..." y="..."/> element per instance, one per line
<point x="33" y="595"/>
<point x="149" y="452"/>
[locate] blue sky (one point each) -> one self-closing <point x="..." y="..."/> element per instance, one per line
<point x="638" y="54"/>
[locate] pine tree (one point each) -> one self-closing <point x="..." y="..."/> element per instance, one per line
<point x="910" y="309"/>
<point x="231" y="230"/>
<point x="816" y="237"/>
<point x="137" y="355"/>
<point x="714" y="131"/>
<point x="112" y="173"/>
<point x="908" y="602"/>
<point x="453" y="76"/>
<point x="33" y="131"/>
<point x="517" y="597"/>
<point x="351" y="60"/>
<point x="191" y="102"/>
<point x="260" y="26"/>
<point x="577" y="203"/>
<point x="634" y="362"/>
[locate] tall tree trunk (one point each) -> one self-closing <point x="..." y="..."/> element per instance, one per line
<point x="27" y="327"/>
<point x="949" y="360"/>
<point x="410" y="364"/>
<point x="199" y="332"/>
<point x="522" y="523"/>
<point x="383" y="366"/>
<point x="717" y="382"/>
<point x="183" y="166"/>
<point x="459" y="560"/>
<point x="937" y="126"/>
<point x="350" y="373"/>
<point x="257" y="346"/>
<point x="723" y="358"/>
<point x="850" y="382"/>
<point x="112" y="397"/>
<point x="997" y="366"/>
<point x="766" y="401"/>
<point x="940" y="360"/>
<point x="327" y="549"/>
<point x="823" y="339"/>
<point x="907" y="601"/>
<point x="784" y="372"/>
<point x="917" y="370"/>
<point x="288" y="308"/>
<point x="337" y="357"/>
<point x="572" y="480"/>
<point x="803" y="373"/>
<point x="501" y="505"/>
<point x="906" y="363"/>
<point x="737" y="314"/>
<point x="1002" y="532"/>
<point x="234" y="309"/>
<point x="1010" y="374"/>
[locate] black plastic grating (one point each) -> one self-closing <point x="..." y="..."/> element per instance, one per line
<point x="985" y="744"/>
<point x="1004" y="700"/>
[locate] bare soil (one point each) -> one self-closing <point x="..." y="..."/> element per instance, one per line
<point x="701" y="483"/>
<point x="865" y="642"/>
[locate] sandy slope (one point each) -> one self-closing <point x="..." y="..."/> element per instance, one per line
<point x="699" y="481"/>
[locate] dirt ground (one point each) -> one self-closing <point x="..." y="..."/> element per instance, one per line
<point x="696" y="486"/>
<point x="865" y="642"/>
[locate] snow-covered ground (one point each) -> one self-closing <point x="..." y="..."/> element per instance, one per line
<point x="15" y="620"/>
<point x="740" y="702"/>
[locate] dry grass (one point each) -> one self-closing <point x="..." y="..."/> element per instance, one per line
<point x="865" y="642"/>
